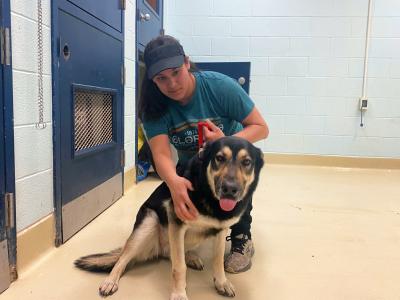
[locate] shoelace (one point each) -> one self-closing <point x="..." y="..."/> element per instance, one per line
<point x="238" y="243"/>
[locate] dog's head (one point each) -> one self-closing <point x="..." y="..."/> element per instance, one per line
<point x="232" y="166"/>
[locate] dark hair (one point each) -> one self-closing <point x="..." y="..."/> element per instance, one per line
<point x="153" y="103"/>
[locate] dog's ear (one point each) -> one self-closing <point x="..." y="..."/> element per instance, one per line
<point x="200" y="154"/>
<point x="260" y="158"/>
<point x="204" y="152"/>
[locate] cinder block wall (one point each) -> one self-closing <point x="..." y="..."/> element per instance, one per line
<point x="33" y="147"/>
<point x="130" y="87"/>
<point x="306" y="67"/>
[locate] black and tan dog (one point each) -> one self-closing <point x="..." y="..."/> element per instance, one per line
<point x="224" y="176"/>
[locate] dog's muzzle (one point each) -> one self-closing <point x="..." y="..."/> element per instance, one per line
<point x="229" y="194"/>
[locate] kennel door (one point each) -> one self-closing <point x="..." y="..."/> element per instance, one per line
<point x="8" y="241"/>
<point x="4" y="265"/>
<point x="149" y="21"/>
<point x="108" y="12"/>
<point x="90" y="95"/>
<point x="239" y="71"/>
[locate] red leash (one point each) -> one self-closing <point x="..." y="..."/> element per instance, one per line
<point x="200" y="126"/>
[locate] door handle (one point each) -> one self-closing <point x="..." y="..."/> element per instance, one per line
<point x="144" y="17"/>
<point x="241" y="80"/>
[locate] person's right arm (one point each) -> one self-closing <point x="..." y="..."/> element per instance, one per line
<point x="178" y="186"/>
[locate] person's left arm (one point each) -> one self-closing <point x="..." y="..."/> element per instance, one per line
<point x="254" y="127"/>
<point x="236" y="104"/>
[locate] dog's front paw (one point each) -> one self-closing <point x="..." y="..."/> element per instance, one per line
<point x="178" y="296"/>
<point x="108" y="287"/>
<point x="225" y="288"/>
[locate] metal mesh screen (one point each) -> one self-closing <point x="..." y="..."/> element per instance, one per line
<point x="93" y="119"/>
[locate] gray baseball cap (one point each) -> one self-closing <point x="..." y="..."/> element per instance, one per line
<point x="168" y="55"/>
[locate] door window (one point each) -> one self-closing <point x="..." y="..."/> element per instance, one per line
<point x="154" y="5"/>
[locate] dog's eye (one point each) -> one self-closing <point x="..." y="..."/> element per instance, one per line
<point x="246" y="162"/>
<point x="220" y="158"/>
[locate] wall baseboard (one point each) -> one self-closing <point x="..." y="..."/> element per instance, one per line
<point x="333" y="161"/>
<point x="34" y="241"/>
<point x="129" y="179"/>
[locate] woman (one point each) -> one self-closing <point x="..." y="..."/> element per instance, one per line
<point x="174" y="98"/>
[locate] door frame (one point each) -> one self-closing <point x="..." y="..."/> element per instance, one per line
<point x="140" y="49"/>
<point x="55" y="51"/>
<point x="11" y="232"/>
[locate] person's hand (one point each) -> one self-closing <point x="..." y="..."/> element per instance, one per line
<point x="214" y="133"/>
<point x="183" y="206"/>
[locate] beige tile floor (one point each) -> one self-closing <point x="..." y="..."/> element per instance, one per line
<point x="320" y="234"/>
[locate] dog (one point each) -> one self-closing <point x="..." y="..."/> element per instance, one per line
<point x="224" y="176"/>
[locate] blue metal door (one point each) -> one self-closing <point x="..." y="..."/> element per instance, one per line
<point x="90" y="108"/>
<point x="239" y="71"/>
<point x="4" y="264"/>
<point x="7" y="178"/>
<point x="108" y="12"/>
<point x="149" y="21"/>
<point x="149" y="24"/>
<point x="2" y="164"/>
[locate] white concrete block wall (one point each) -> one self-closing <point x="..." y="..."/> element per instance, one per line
<point x="130" y="61"/>
<point x="307" y="63"/>
<point x="33" y="147"/>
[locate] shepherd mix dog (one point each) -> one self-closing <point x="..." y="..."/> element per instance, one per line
<point x="224" y="176"/>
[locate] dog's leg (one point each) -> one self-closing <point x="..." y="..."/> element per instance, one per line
<point x="223" y="285"/>
<point x="193" y="260"/>
<point x="176" y="236"/>
<point x="140" y="246"/>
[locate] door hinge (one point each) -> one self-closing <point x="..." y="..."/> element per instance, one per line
<point x="123" y="75"/>
<point x="123" y="158"/>
<point x="123" y="4"/>
<point x="9" y="206"/>
<point x="162" y="31"/>
<point x="5" y="46"/>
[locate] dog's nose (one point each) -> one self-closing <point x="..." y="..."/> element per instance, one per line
<point x="229" y="188"/>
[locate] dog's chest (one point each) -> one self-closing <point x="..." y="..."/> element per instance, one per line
<point x="206" y="226"/>
<point x="206" y="223"/>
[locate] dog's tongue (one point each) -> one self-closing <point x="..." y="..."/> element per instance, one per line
<point x="227" y="204"/>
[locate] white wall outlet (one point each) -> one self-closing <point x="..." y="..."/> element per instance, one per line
<point x="363" y="104"/>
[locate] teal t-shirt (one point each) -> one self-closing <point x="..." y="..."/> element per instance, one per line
<point x="217" y="97"/>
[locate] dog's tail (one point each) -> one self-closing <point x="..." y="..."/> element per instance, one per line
<point x="101" y="262"/>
